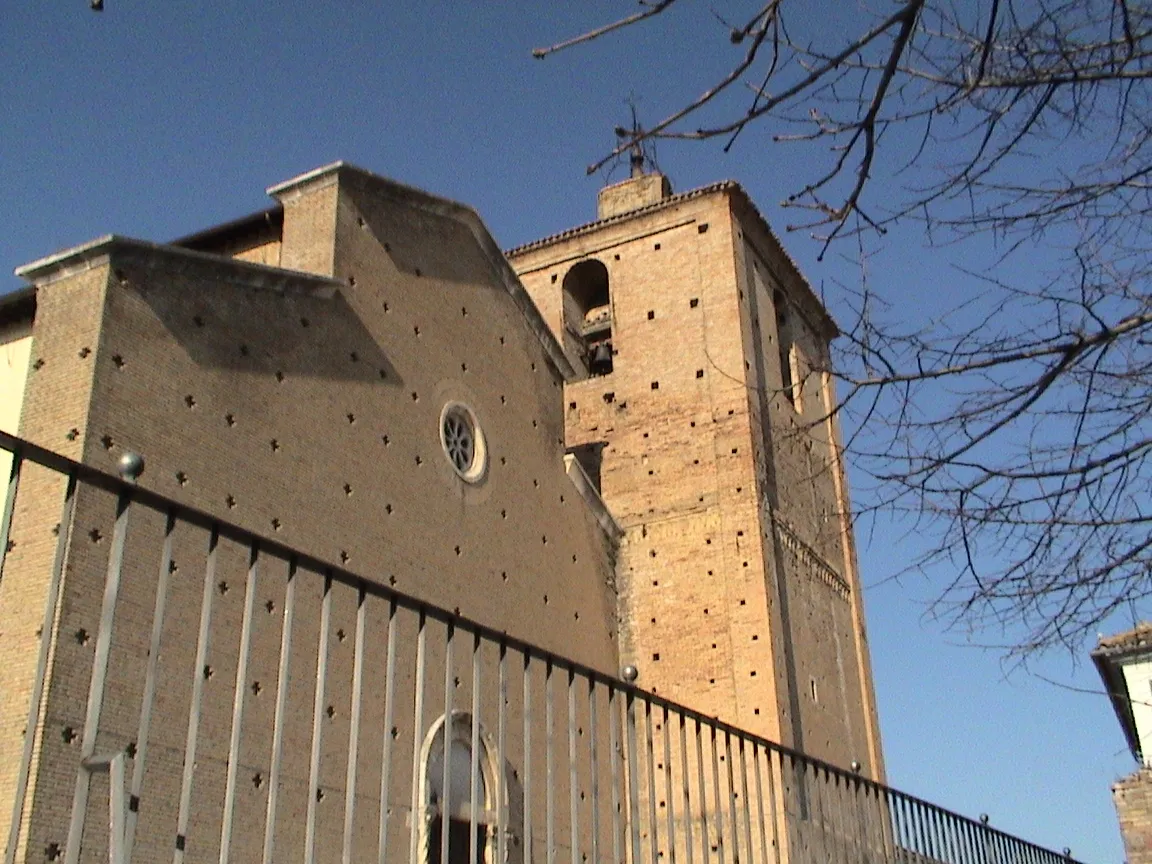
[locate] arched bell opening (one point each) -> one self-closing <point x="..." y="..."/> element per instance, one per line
<point x="588" y="314"/>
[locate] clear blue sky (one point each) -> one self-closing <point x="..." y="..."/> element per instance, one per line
<point x="155" y="119"/>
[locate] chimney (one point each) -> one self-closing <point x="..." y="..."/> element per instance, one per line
<point x="637" y="191"/>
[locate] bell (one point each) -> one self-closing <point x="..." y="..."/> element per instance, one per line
<point x="600" y="358"/>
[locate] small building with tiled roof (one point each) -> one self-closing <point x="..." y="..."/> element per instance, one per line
<point x="1125" y="665"/>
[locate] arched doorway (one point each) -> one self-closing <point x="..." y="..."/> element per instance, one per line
<point x="449" y="798"/>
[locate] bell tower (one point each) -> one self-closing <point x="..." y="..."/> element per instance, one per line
<point x="702" y="407"/>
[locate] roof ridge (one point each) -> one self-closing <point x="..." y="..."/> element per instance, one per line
<point x="620" y="217"/>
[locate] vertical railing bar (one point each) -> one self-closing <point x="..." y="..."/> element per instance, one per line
<point x="896" y="820"/>
<point x="938" y="850"/>
<point x="980" y="833"/>
<point x="1027" y="854"/>
<point x="474" y="779"/>
<point x="10" y="504"/>
<point x="417" y="816"/>
<point x="942" y="850"/>
<point x="99" y="672"/>
<point x="149" y="694"/>
<point x="949" y="826"/>
<point x="238" y="702"/>
<point x="573" y="774"/>
<point x="747" y="806"/>
<point x="870" y="840"/>
<point x="318" y="721"/>
<point x="853" y="828"/>
<point x="354" y="723"/>
<point x="448" y="732"/>
<point x="669" y="801"/>
<point x="1012" y="849"/>
<point x="386" y="747"/>
<point x="820" y="811"/>
<point x="835" y="830"/>
<point x="907" y="825"/>
<point x="941" y="823"/>
<point x="47" y="626"/>
<point x="908" y="828"/>
<point x="925" y="830"/>
<point x="1005" y="846"/>
<point x="830" y="810"/>
<point x="650" y="771"/>
<point x="617" y="778"/>
<point x="760" y="802"/>
<point x="841" y="830"/>
<point x="816" y="806"/>
<point x="970" y="856"/>
<point x="502" y="796"/>
<point x="810" y="802"/>
<point x="719" y="812"/>
<point x="1018" y="852"/>
<point x="682" y="722"/>
<point x="549" y="767"/>
<point x="773" y="815"/>
<point x="862" y="795"/>
<point x="528" y="800"/>
<point x="633" y="768"/>
<point x="1036" y="855"/>
<point x="830" y="791"/>
<point x="1022" y="850"/>
<point x="117" y="824"/>
<point x="732" y="805"/>
<point x="912" y="827"/>
<point x="991" y="851"/>
<point x="281" y="708"/>
<point x="704" y="839"/>
<point x="594" y="770"/>
<point x="888" y="823"/>
<point x="198" y="675"/>
<point x="962" y="844"/>
<point x="874" y="816"/>
<point x="794" y="808"/>
<point x="1002" y="847"/>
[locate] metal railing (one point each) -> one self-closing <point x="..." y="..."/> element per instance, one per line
<point x="316" y="715"/>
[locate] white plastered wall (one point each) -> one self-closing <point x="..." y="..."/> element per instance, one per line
<point x="1138" y="678"/>
<point x="15" y="349"/>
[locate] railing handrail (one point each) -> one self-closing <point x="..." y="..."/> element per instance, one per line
<point x="25" y="450"/>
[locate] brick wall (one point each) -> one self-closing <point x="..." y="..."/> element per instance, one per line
<point x="66" y="340"/>
<point x="307" y="412"/>
<point x="1133" y="799"/>
<point x="737" y="589"/>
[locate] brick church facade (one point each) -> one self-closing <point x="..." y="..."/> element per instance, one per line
<point x="615" y="444"/>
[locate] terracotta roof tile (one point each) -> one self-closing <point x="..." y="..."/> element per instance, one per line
<point x="1139" y="637"/>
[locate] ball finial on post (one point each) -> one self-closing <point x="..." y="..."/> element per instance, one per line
<point x="130" y="466"/>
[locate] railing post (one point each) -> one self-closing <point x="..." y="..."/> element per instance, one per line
<point x="97" y="682"/>
<point x="117" y="824"/>
<point x="47" y="628"/>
